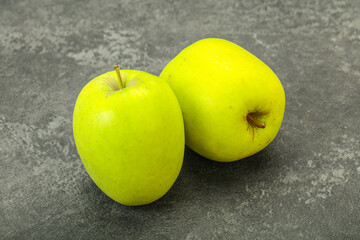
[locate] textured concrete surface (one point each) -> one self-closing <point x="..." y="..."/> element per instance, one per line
<point x="304" y="185"/>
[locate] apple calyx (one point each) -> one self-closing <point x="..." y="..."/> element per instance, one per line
<point x="119" y="79"/>
<point x="251" y="120"/>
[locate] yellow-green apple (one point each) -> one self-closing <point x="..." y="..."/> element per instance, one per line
<point x="129" y="133"/>
<point x="232" y="103"/>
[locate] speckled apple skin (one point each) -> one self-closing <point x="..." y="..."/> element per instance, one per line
<point x="131" y="141"/>
<point x="218" y="83"/>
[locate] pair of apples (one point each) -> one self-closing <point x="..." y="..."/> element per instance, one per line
<point x="130" y="127"/>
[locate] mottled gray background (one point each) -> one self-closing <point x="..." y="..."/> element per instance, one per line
<point x="304" y="185"/>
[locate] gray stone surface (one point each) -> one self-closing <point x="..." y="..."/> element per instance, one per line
<point x="304" y="185"/>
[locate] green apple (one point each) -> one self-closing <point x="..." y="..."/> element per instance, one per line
<point x="232" y="103"/>
<point x="129" y="133"/>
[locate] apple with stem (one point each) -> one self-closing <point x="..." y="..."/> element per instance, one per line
<point x="129" y="132"/>
<point x="232" y="103"/>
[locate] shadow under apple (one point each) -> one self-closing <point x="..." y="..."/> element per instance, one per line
<point x="202" y="184"/>
<point x="200" y="177"/>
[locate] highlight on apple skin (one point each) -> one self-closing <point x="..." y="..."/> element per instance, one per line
<point x="129" y="132"/>
<point x="232" y="102"/>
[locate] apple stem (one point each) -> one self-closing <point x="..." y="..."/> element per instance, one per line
<point x="252" y="121"/>
<point x="117" y="70"/>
